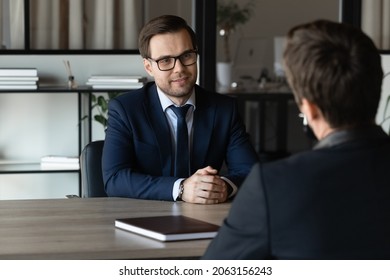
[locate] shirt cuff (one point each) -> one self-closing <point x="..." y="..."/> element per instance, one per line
<point x="175" y="190"/>
<point x="232" y="185"/>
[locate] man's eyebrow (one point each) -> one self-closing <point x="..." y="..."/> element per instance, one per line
<point x="169" y="56"/>
<point x="163" y="56"/>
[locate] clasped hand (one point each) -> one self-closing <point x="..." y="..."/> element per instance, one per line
<point x="205" y="186"/>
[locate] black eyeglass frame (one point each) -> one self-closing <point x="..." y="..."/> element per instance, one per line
<point x="179" y="57"/>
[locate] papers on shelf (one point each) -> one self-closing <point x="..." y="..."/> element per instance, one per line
<point x="116" y="82"/>
<point x="18" y="78"/>
<point x="18" y="72"/>
<point x="117" y="79"/>
<point x="116" y="86"/>
<point x="60" y="162"/>
<point x="18" y="86"/>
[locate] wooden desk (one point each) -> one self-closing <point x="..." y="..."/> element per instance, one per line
<point x="84" y="229"/>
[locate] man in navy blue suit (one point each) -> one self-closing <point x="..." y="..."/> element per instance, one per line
<point x="332" y="202"/>
<point x="140" y="155"/>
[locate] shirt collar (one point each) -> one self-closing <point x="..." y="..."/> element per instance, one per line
<point x="347" y="135"/>
<point x="166" y="102"/>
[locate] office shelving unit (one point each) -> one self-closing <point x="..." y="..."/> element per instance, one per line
<point x="84" y="131"/>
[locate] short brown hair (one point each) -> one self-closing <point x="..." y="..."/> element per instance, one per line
<point x="160" y="25"/>
<point x="337" y="67"/>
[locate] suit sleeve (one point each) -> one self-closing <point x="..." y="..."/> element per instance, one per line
<point x="125" y="157"/>
<point x="245" y="232"/>
<point x="240" y="156"/>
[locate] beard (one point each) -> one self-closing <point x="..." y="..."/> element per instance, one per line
<point x="176" y="89"/>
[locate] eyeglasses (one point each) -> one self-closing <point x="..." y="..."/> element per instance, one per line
<point x="168" y="63"/>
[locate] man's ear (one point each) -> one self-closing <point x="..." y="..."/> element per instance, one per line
<point x="309" y="109"/>
<point x="305" y="110"/>
<point x="148" y="66"/>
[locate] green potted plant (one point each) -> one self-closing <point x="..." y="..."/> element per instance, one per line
<point x="229" y="16"/>
<point x="101" y="104"/>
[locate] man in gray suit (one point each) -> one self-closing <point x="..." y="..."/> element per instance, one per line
<point x="332" y="202"/>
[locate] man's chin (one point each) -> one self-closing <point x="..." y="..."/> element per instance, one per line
<point x="182" y="91"/>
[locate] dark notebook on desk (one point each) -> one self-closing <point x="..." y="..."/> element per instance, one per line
<point x="169" y="228"/>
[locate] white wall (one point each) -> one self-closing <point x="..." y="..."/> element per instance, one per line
<point x="273" y="19"/>
<point x="38" y="185"/>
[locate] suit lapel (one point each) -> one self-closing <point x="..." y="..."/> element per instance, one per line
<point x="161" y="130"/>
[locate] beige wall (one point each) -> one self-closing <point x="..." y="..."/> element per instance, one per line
<point x="273" y="18"/>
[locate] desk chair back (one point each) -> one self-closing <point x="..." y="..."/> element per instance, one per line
<point x="91" y="170"/>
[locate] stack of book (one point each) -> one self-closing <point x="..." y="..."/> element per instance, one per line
<point x="60" y="162"/>
<point x="18" y="78"/>
<point x="116" y="82"/>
